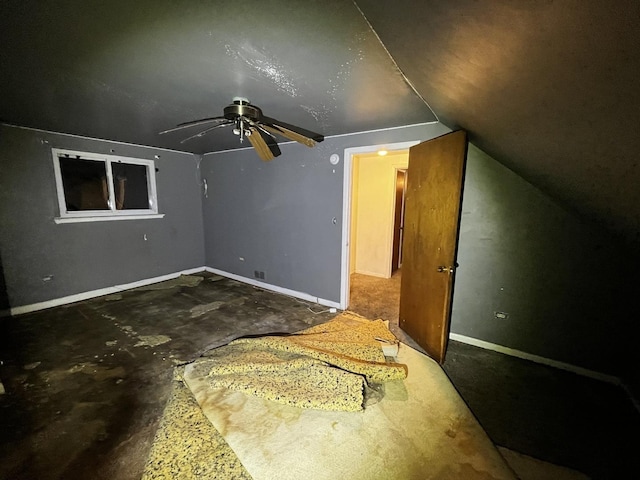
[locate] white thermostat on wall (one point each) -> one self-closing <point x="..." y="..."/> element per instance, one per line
<point x="334" y="159"/>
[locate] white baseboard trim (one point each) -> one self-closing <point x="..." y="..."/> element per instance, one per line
<point x="20" y="310"/>
<point x="372" y="274"/>
<point x="275" y="288"/>
<point x="536" y="358"/>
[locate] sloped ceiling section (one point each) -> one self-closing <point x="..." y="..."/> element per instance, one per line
<point x="123" y="70"/>
<point x="549" y="88"/>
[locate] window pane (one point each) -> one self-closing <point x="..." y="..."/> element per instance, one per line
<point x="130" y="186"/>
<point x="85" y="184"/>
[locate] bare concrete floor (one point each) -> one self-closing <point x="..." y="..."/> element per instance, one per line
<point x="86" y="383"/>
<point x="543" y="412"/>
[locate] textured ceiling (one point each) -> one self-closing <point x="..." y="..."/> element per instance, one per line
<point x="126" y="70"/>
<point x="549" y="88"/>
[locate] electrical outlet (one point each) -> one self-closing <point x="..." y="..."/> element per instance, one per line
<point x="258" y="274"/>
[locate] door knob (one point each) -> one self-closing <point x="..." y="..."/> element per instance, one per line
<point x="443" y="269"/>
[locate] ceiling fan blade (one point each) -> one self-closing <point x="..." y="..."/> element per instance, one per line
<point x="203" y="132"/>
<point x="270" y="141"/>
<point x="292" y="128"/>
<point x="259" y="144"/>
<point x="264" y="144"/>
<point x="285" y="132"/>
<point x="193" y="123"/>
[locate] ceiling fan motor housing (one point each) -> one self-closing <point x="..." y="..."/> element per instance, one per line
<point x="242" y="109"/>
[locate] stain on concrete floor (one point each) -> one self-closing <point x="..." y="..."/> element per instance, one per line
<point x="83" y="401"/>
<point x="152" y="340"/>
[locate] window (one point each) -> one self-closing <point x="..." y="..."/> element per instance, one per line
<point x="103" y="187"/>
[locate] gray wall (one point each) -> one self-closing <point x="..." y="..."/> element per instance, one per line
<point x="560" y="280"/>
<point x="278" y="215"/>
<point x="88" y="256"/>
<point x="520" y="252"/>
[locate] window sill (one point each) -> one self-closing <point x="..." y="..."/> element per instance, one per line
<point x="106" y="218"/>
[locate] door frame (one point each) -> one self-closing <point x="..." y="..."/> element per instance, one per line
<point x="401" y="226"/>
<point x="346" y="207"/>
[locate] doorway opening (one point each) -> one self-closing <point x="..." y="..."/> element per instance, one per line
<point x="372" y="231"/>
<point x="375" y="296"/>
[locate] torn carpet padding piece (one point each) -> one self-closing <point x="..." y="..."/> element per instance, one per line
<point x="187" y="446"/>
<point x="324" y="367"/>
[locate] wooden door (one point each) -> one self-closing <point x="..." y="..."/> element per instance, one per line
<point x="396" y="257"/>
<point x="432" y="218"/>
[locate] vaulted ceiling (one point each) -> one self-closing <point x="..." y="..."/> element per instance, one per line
<point x="549" y="88"/>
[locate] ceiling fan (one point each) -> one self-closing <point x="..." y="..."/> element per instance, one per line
<point x="248" y="121"/>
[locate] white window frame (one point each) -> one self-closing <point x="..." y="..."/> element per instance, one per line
<point x="111" y="214"/>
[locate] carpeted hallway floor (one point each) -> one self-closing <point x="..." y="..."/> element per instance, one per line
<point x="543" y="412"/>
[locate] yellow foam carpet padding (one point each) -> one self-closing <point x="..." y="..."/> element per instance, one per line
<point x="420" y="428"/>
<point x="187" y="446"/>
<point x="324" y="367"/>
